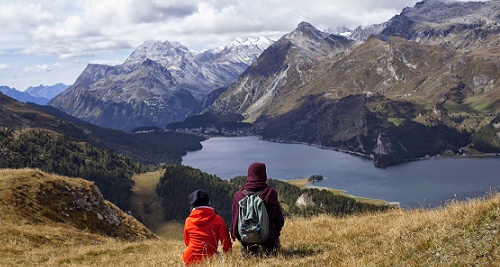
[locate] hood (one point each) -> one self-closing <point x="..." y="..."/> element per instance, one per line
<point x="257" y="181"/>
<point x="256" y="177"/>
<point x="201" y="215"/>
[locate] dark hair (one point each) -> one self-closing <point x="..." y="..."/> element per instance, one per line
<point x="199" y="198"/>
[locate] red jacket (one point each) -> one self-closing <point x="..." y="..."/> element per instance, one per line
<point x="203" y="231"/>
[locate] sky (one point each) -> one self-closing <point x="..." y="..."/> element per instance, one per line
<point x="52" y="41"/>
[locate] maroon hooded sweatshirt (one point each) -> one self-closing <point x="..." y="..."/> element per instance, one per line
<point x="256" y="181"/>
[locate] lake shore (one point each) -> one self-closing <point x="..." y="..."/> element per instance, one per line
<point x="306" y="184"/>
<point x="420" y="184"/>
<point x="446" y="154"/>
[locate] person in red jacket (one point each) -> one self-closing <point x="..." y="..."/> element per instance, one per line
<point x="203" y="230"/>
<point x="255" y="182"/>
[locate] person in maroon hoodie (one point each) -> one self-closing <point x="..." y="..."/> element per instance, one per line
<point x="255" y="182"/>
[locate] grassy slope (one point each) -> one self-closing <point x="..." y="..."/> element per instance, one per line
<point x="146" y="205"/>
<point x="304" y="183"/>
<point x="461" y="234"/>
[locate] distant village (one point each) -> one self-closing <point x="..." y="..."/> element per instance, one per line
<point x="212" y="130"/>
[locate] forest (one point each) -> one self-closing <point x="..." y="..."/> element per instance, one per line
<point x="54" y="153"/>
<point x="179" y="181"/>
<point x="149" y="148"/>
<point x="487" y="139"/>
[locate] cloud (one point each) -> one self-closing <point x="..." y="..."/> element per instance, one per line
<point x="19" y="15"/>
<point x="91" y="27"/>
<point x="38" y="68"/>
<point x="4" y="66"/>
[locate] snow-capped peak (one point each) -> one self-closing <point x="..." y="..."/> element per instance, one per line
<point x="339" y="30"/>
<point x="261" y="43"/>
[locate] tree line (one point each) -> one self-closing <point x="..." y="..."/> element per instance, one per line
<point x="487" y="139"/>
<point x="52" y="152"/>
<point x="149" y="148"/>
<point x="179" y="181"/>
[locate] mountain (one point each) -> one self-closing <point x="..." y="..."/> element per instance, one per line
<point x="454" y="25"/>
<point x="340" y="30"/>
<point x="272" y="81"/>
<point x="362" y="33"/>
<point x="160" y="82"/>
<point x="39" y="95"/>
<point x="429" y="72"/>
<point x="22" y="96"/>
<point x="46" y="91"/>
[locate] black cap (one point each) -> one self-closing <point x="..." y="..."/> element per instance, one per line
<point x="199" y="198"/>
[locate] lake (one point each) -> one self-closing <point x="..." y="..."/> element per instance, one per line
<point x="425" y="183"/>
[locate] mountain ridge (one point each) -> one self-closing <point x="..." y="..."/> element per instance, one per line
<point x="39" y="94"/>
<point x="178" y="81"/>
<point x="290" y="60"/>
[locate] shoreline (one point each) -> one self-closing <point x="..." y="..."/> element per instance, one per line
<point x="475" y="154"/>
<point x="306" y="184"/>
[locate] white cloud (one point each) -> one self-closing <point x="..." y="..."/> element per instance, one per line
<point x="19" y="15"/>
<point x="90" y="27"/>
<point x="4" y="66"/>
<point x="97" y="30"/>
<point x="38" y="68"/>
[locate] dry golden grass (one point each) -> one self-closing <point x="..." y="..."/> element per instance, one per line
<point x="146" y="204"/>
<point x="460" y="234"/>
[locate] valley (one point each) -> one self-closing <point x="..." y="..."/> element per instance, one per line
<point x="401" y="120"/>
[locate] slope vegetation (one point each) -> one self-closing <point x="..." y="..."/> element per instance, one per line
<point x="460" y="234"/>
<point x="33" y="198"/>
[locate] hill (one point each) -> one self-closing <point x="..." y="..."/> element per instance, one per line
<point x="165" y="197"/>
<point x="460" y="234"/>
<point x="37" y="198"/>
<point x="42" y="137"/>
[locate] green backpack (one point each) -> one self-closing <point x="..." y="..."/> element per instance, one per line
<point x="253" y="220"/>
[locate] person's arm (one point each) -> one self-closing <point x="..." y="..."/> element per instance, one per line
<point x="186" y="234"/>
<point x="280" y="219"/>
<point x="277" y="214"/>
<point x="234" y="222"/>
<point x="224" y="236"/>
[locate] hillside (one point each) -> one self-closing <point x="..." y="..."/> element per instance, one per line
<point x="147" y="148"/>
<point x="433" y="67"/>
<point x="35" y="198"/>
<point x="42" y="137"/>
<point x="460" y="234"/>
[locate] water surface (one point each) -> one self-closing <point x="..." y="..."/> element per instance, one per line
<point x="425" y="183"/>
